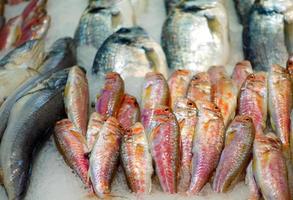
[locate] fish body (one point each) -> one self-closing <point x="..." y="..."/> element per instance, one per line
<point x="243" y="8"/>
<point x="207" y="145"/>
<point x="178" y="83"/>
<point x="236" y="154"/>
<point x="130" y="52"/>
<point x="137" y="160"/>
<point x="76" y="99"/>
<point x="200" y="87"/>
<point x="280" y="103"/>
<point x="170" y="5"/>
<point x="253" y="100"/>
<point x="30" y="118"/>
<point x="73" y="148"/>
<point x="95" y="125"/>
<point x="264" y="36"/>
<point x="129" y="112"/>
<point x="19" y="65"/>
<point x="164" y="140"/>
<point x="224" y="92"/>
<point x="195" y="35"/>
<point x="240" y="72"/>
<point x="111" y="97"/>
<point x="269" y="167"/>
<point x="254" y="191"/>
<point x="104" y="157"/>
<point x="186" y="113"/>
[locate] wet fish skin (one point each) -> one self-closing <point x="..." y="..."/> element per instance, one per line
<point x="200" y="87"/>
<point x="186" y="113"/>
<point x="96" y="24"/>
<point x="76" y="99"/>
<point x="110" y="99"/>
<point x="137" y="160"/>
<point x="29" y="120"/>
<point x="104" y="157"/>
<point x="224" y="92"/>
<point x="289" y="28"/>
<point x="155" y="91"/>
<point x="163" y="140"/>
<point x="243" y="8"/>
<point x="207" y="145"/>
<point x="130" y="52"/>
<point x="240" y="72"/>
<point x="178" y="83"/>
<point x="289" y="67"/>
<point x="170" y="5"/>
<point x="10" y="32"/>
<point x="96" y="122"/>
<point x="269" y="167"/>
<point x="181" y="30"/>
<point x="253" y="100"/>
<point x="72" y="146"/>
<point x="254" y="190"/>
<point x="264" y="39"/>
<point x="19" y="65"/>
<point x="129" y="112"/>
<point x="34" y="9"/>
<point x="236" y="154"/>
<point x="280" y="103"/>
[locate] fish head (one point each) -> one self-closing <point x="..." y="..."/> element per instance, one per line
<point x="209" y="109"/>
<point x="257" y="82"/>
<point x="130" y="100"/>
<point x="184" y="107"/>
<point x="290" y="64"/>
<point x="112" y="79"/>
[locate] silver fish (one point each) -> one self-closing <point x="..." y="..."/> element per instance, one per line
<point x="243" y="7"/>
<point x="195" y="35"/>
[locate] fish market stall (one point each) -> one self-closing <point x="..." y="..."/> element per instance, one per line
<point x="137" y="54"/>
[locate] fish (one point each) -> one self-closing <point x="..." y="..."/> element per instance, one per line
<point x="195" y="35"/>
<point x="33" y="10"/>
<point x="253" y="100"/>
<point x="280" y="103"/>
<point x="186" y="113"/>
<point x="266" y="20"/>
<point x="36" y="30"/>
<point x="136" y="159"/>
<point x="269" y="167"/>
<point x="61" y="56"/>
<point x="243" y="9"/>
<point x="104" y="157"/>
<point x="76" y="99"/>
<point x="111" y="96"/>
<point x="289" y="67"/>
<point x="96" y="122"/>
<point x="129" y="112"/>
<point x="170" y="5"/>
<point x="2" y="14"/>
<point x="30" y="121"/>
<point x="155" y="91"/>
<point x="10" y="32"/>
<point x="288" y="18"/>
<point x="224" y="92"/>
<point x="96" y="24"/>
<point x="254" y="190"/>
<point x="164" y="140"/>
<point x="19" y="65"/>
<point x="236" y="154"/>
<point x="72" y="146"/>
<point x="178" y="84"/>
<point x="14" y="2"/>
<point x="130" y="52"/>
<point x="240" y="72"/>
<point x="207" y="145"/>
<point x="200" y="87"/>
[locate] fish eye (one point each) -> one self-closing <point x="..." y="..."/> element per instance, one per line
<point x="166" y="109"/>
<point x="216" y="107"/>
<point x="189" y="103"/>
<point x="196" y="77"/>
<point x="251" y="76"/>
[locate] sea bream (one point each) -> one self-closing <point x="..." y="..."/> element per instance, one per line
<point x="195" y="35"/>
<point x="30" y="119"/>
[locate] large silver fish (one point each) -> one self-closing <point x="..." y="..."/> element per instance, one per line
<point x="195" y="35"/>
<point x="61" y="55"/>
<point x="19" y="65"/>
<point x="30" y="118"/>
<point x="265" y="36"/>
<point x="130" y="52"/>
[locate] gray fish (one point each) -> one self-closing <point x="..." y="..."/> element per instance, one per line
<point x="96" y="24"/>
<point x="19" y="65"/>
<point x="130" y="51"/>
<point x="170" y="5"/>
<point x="30" y="118"/>
<point x="195" y="35"/>
<point x="289" y="29"/>
<point x="264" y="37"/>
<point x="243" y="7"/>
<point x="62" y="55"/>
